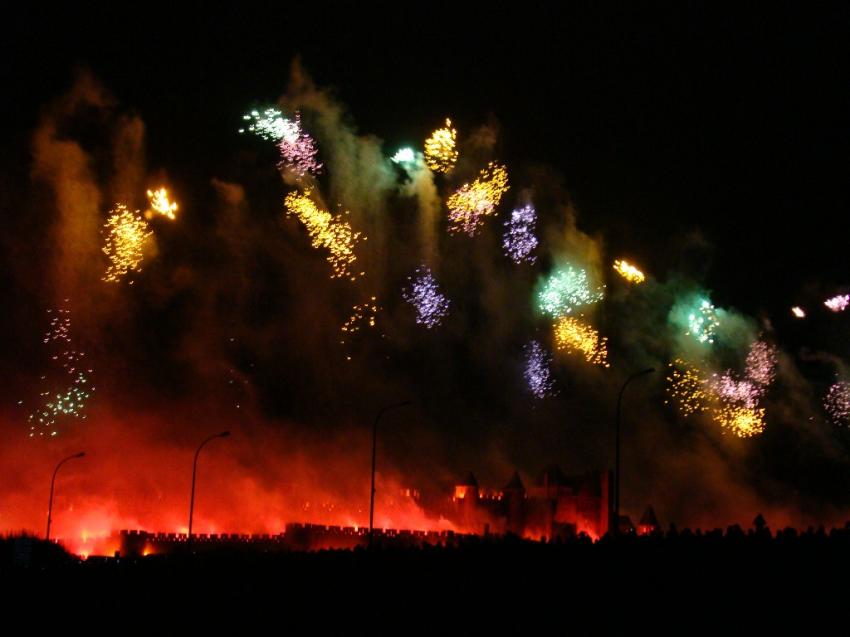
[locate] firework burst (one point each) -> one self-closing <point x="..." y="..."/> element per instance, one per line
<point x="66" y="396"/>
<point x="160" y="204"/>
<point x="733" y="391"/>
<point x="687" y="388"/>
<point x="270" y="124"/>
<point x="798" y="312"/>
<point x="629" y="272"/>
<point x="761" y="363"/>
<point x="126" y="235"/>
<point x="326" y="231"/>
<point x="363" y="316"/>
<point x="404" y="156"/>
<point x="424" y="294"/>
<point x="740" y="420"/>
<point x="703" y="322"/>
<point x="838" y="303"/>
<point x="837" y="403"/>
<point x="440" y="152"/>
<point x="519" y="241"/>
<point x="297" y="149"/>
<point x="479" y="199"/>
<point x="571" y="336"/>
<point x="538" y="376"/>
<point x="565" y="290"/>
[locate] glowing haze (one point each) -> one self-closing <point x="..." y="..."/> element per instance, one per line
<point x="283" y="324"/>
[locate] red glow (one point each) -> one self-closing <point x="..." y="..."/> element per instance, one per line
<point x="137" y="476"/>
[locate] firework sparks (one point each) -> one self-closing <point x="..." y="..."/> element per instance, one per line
<point x="473" y="201"/>
<point x="126" y="235"/>
<point x="326" y="231"/>
<point x="160" y="204"/>
<point x="838" y="303"/>
<point x="798" y="312"/>
<point x="424" y="294"/>
<point x="761" y="363"/>
<point x="519" y="240"/>
<point x="270" y="124"/>
<point x="629" y="272"/>
<point x="297" y="149"/>
<point x="362" y="316"/>
<point x="440" y="152"/>
<point x="74" y="383"/>
<point x="742" y="392"/>
<point x="703" y="322"/>
<point x="687" y="387"/>
<point x="565" y="290"/>
<point x="404" y="156"/>
<point x="571" y="335"/>
<point x="538" y="376"/>
<point x="742" y="421"/>
<point x="837" y="403"/>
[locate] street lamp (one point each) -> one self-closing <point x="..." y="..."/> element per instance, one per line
<point x="374" y="450"/>
<point x="52" y="482"/>
<point x="617" y="462"/>
<point x="223" y="434"/>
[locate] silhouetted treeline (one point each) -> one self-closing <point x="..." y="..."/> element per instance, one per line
<point x="501" y="583"/>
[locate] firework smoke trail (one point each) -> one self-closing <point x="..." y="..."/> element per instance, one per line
<point x="160" y="204"/>
<point x="565" y="290"/>
<point x="326" y="231"/>
<point x="837" y="403"/>
<point x="298" y="150"/>
<point x="424" y="294"/>
<point x="473" y="201"/>
<point x="687" y="388"/>
<point x="440" y="152"/>
<point x="571" y="335"/>
<point x="838" y="303"/>
<point x="362" y="316"/>
<point x="126" y="234"/>
<point x="538" y="377"/>
<point x="519" y="240"/>
<point x="629" y="272"/>
<point x="75" y="379"/>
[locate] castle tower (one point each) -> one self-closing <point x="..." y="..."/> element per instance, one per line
<point x="514" y="498"/>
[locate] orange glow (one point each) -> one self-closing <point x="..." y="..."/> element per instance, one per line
<point x="239" y="489"/>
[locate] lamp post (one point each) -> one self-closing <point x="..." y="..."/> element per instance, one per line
<point x="643" y="372"/>
<point x="223" y="434"/>
<point x="374" y="453"/>
<point x="52" y="482"/>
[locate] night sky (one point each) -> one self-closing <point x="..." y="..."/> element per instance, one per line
<point x="709" y="144"/>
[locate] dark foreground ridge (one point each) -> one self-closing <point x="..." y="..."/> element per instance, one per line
<point x="472" y="581"/>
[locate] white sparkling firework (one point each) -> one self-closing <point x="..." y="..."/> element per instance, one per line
<point x="66" y="395"/>
<point x="761" y="363"/>
<point x="538" y="376"/>
<point x="837" y="403"/>
<point x="270" y="124"/>
<point x="838" y="303"/>
<point x="519" y="241"/>
<point x="424" y="294"/>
